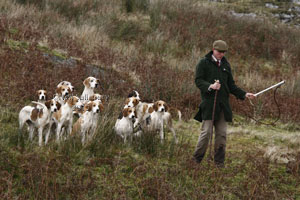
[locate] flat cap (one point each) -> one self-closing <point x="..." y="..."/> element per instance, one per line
<point x="220" y="45"/>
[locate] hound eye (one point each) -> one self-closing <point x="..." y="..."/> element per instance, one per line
<point x="94" y="105"/>
<point x="92" y="80"/>
<point x="52" y="104"/>
<point x="40" y="93"/>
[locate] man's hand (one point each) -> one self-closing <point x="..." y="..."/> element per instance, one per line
<point x="250" y="95"/>
<point x="216" y="85"/>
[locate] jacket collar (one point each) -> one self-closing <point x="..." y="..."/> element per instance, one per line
<point x="209" y="57"/>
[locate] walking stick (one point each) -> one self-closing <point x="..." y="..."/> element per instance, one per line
<point x="212" y="125"/>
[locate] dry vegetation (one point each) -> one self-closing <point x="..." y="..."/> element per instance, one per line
<point x="151" y="46"/>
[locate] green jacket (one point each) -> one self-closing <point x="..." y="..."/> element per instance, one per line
<point x="207" y="71"/>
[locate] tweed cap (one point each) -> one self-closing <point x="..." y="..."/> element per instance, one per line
<point x="220" y="45"/>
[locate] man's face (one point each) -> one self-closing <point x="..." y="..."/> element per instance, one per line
<point x="218" y="54"/>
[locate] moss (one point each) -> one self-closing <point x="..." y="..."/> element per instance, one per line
<point x="17" y="45"/>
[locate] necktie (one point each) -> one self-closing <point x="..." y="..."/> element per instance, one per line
<point x="218" y="63"/>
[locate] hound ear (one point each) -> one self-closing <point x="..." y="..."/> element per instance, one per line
<point x="37" y="92"/>
<point x="86" y="82"/>
<point x="125" y="112"/>
<point x="166" y="107"/>
<point x="136" y="102"/>
<point x="48" y="104"/>
<point x="155" y="106"/>
<point x="46" y="95"/>
<point x="98" y="81"/>
<point x="90" y="106"/>
<point x="58" y="105"/>
<point x="58" y="90"/>
<point x="101" y="107"/>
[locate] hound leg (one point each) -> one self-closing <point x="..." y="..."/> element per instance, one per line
<point x="58" y="132"/>
<point x="40" y="130"/>
<point x="31" y="131"/>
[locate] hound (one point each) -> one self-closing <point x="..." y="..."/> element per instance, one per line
<point x="37" y="118"/>
<point x="64" y="117"/>
<point x="66" y="83"/>
<point x="159" y="117"/>
<point x="61" y="93"/>
<point x="90" y="84"/>
<point x="124" y="126"/>
<point x="87" y="122"/>
<point x="143" y="110"/>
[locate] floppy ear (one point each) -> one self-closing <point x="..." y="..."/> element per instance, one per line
<point x="166" y="107"/>
<point x="48" y="104"/>
<point x="135" y="102"/>
<point x="86" y="82"/>
<point x="155" y="106"/>
<point x="46" y="95"/>
<point x="125" y="112"/>
<point x="90" y="106"/>
<point x="98" y="81"/>
<point x="37" y="92"/>
<point x="58" y="105"/>
<point x="58" y="90"/>
<point x="101" y="107"/>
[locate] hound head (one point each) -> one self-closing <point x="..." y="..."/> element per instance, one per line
<point x="42" y="95"/>
<point x="135" y="94"/>
<point x="66" y="83"/>
<point x="74" y="101"/>
<point x="63" y="91"/>
<point x="91" y="82"/>
<point x="52" y="105"/>
<point x="131" y="102"/>
<point x="129" y="112"/>
<point x="93" y="106"/>
<point x="160" y="106"/>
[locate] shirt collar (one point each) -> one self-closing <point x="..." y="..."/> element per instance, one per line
<point x="214" y="58"/>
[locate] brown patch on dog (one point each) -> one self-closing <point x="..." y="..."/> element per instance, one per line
<point x="48" y="104"/>
<point x="135" y="102"/>
<point x="40" y="113"/>
<point x="101" y="107"/>
<point x="86" y="83"/>
<point x="88" y="107"/>
<point x="34" y="114"/>
<point x="145" y="107"/>
<point x="155" y="106"/>
<point x="150" y="109"/>
<point x="127" y="101"/>
<point x="72" y="101"/>
<point x="57" y="115"/>
<point x="58" y="90"/>
<point x="93" y="98"/>
<point x="77" y="126"/>
<point x="58" y="105"/>
<point x="125" y="112"/>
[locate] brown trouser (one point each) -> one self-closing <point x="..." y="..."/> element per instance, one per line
<point x="220" y="139"/>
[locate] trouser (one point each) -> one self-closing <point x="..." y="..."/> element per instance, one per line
<point x="220" y="140"/>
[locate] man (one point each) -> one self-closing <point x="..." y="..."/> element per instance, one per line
<point x="213" y="74"/>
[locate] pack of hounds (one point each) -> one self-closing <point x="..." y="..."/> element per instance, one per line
<point x="55" y="116"/>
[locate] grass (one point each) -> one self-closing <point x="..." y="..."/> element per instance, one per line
<point x="146" y="169"/>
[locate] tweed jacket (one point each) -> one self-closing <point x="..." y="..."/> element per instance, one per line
<point x="207" y="71"/>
